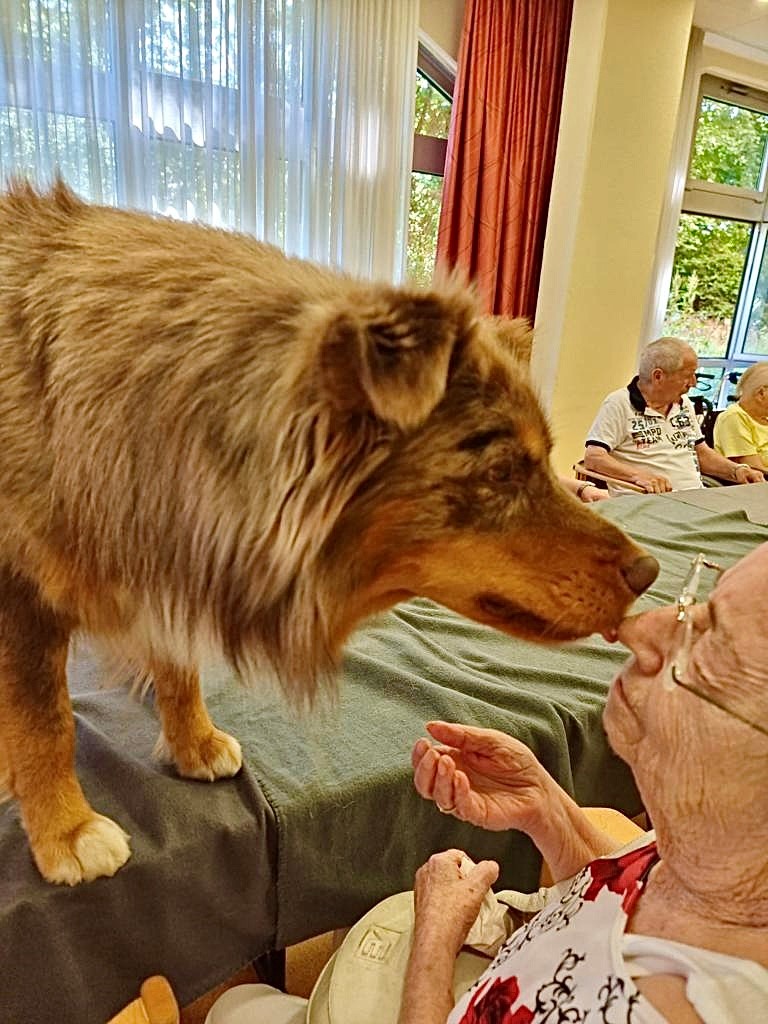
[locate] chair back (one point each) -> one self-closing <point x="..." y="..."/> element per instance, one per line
<point x="601" y="479"/>
<point x="707" y="424"/>
<point x="701" y="405"/>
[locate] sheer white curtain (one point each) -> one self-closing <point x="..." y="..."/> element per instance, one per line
<point x="291" y="119"/>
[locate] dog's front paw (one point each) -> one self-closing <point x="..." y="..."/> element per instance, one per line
<point x="98" y="847"/>
<point x="217" y="755"/>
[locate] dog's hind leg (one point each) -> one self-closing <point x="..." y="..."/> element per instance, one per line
<point x="189" y="738"/>
<point x="69" y="841"/>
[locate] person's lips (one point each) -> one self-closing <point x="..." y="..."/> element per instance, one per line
<point x="619" y="693"/>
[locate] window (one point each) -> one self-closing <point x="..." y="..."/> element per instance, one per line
<point x="185" y="96"/>
<point x="279" y="118"/>
<point x="83" y="85"/>
<point x="718" y="299"/>
<point x="432" y="117"/>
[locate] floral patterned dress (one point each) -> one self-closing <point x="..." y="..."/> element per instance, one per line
<point x="573" y="963"/>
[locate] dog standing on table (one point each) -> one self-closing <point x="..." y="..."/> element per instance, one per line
<point x="205" y="445"/>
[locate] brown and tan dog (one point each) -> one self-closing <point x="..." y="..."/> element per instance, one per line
<point x="205" y="445"/>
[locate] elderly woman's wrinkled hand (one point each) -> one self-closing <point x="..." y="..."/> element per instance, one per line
<point x="446" y="902"/>
<point x="482" y="776"/>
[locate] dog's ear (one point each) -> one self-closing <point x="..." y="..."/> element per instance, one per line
<point x="515" y="335"/>
<point x="392" y="354"/>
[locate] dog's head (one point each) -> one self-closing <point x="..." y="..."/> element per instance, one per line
<point x="462" y="506"/>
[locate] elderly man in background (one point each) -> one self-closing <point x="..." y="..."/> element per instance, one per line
<point x="647" y="433"/>
<point x="741" y="431"/>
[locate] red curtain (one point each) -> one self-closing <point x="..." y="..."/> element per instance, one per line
<point x="501" y="147"/>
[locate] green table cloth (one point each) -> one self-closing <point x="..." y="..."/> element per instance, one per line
<point x="323" y="820"/>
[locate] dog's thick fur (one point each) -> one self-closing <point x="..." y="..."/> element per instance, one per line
<point x="207" y="445"/>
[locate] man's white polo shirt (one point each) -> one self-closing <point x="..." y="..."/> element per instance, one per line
<point x="640" y="436"/>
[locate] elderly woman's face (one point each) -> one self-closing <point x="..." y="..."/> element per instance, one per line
<point x="689" y="756"/>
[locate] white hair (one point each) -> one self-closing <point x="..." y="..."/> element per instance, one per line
<point x="753" y="377"/>
<point x="667" y="354"/>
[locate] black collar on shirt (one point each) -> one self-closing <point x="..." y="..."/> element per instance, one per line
<point x="636" y="395"/>
<point x="637" y="400"/>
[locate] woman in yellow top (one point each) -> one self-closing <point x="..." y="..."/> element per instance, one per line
<point x="741" y="431"/>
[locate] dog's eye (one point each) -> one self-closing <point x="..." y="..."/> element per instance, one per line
<point x="501" y="471"/>
<point x="482" y="439"/>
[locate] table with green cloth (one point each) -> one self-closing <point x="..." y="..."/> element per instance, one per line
<point x="323" y="820"/>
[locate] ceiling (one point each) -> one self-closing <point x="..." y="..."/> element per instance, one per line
<point x="744" y="22"/>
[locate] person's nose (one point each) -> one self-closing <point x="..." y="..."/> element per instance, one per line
<point x="649" y="636"/>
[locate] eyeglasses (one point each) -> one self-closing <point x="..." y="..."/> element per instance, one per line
<point x="681" y="652"/>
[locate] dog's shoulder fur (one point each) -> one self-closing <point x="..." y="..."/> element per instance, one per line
<point x="185" y="412"/>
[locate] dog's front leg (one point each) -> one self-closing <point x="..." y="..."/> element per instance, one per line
<point x="189" y="738"/>
<point x="69" y="841"/>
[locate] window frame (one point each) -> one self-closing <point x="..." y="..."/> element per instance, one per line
<point x="714" y="196"/>
<point x="429" y="152"/>
<point x="729" y="202"/>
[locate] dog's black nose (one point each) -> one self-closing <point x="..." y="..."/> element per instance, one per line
<point x="641" y="574"/>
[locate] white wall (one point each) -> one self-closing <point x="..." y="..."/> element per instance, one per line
<point x="623" y="82"/>
<point x="441" y="20"/>
<point x="717" y="61"/>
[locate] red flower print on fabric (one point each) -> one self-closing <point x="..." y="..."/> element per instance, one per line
<point x="494" y="1005"/>
<point x="623" y="875"/>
